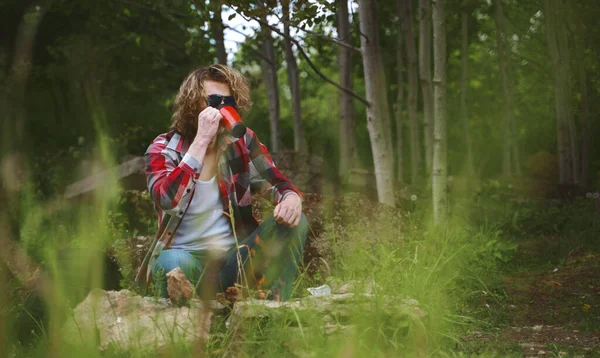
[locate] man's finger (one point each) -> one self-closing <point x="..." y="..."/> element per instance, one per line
<point x="297" y="220"/>
<point x="285" y="215"/>
<point x="276" y="211"/>
<point x="290" y="217"/>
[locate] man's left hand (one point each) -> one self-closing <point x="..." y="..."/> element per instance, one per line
<point x="289" y="211"/>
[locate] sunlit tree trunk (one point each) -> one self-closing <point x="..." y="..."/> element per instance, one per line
<point x="425" y="77"/>
<point x="440" y="170"/>
<point x="463" y="90"/>
<point x="413" y="88"/>
<point x="217" y="30"/>
<point x="400" y="96"/>
<point x="270" y="78"/>
<point x="293" y="78"/>
<point x="558" y="51"/>
<point x="347" y="142"/>
<point x="378" y="111"/>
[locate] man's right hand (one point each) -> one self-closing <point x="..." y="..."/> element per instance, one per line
<point x="208" y="124"/>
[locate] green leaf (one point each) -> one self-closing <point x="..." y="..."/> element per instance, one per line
<point x="138" y="40"/>
<point x="126" y="12"/>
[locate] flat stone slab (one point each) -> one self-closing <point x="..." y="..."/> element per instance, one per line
<point x="124" y="321"/>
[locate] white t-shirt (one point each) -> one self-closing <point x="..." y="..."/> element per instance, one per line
<point x="204" y="226"/>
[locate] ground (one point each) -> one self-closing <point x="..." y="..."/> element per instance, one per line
<point x="542" y="307"/>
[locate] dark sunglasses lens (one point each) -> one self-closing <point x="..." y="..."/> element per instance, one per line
<point x="214" y="100"/>
<point x="229" y="101"/>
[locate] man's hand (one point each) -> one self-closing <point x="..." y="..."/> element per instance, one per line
<point x="289" y="211"/>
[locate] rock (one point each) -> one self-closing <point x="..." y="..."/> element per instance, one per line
<point x="333" y="308"/>
<point x="230" y="296"/>
<point x="179" y="288"/>
<point x="120" y="320"/>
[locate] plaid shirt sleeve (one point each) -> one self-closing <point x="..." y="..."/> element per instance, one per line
<point x="265" y="175"/>
<point x="167" y="182"/>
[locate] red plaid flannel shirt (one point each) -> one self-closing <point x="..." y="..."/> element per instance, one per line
<point x="244" y="167"/>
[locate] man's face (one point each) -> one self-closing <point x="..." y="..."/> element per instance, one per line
<point x="223" y="89"/>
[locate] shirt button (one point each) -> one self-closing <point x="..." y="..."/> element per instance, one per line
<point x="188" y="190"/>
<point x="181" y="213"/>
<point x="170" y="233"/>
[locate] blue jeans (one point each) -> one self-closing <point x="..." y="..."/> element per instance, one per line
<point x="269" y="258"/>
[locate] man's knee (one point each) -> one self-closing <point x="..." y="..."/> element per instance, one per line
<point x="169" y="260"/>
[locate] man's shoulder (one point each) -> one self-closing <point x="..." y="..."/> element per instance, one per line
<point x="164" y="140"/>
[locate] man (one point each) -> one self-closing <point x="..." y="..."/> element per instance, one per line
<point x="198" y="175"/>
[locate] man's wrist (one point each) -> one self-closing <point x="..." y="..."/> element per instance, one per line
<point x="286" y="195"/>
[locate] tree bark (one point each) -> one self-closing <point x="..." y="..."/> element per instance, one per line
<point x="293" y="78"/>
<point x="585" y="121"/>
<point x="347" y="142"/>
<point x="425" y="77"/>
<point x="507" y="92"/>
<point x="463" y="91"/>
<point x="440" y="170"/>
<point x="413" y="88"/>
<point x="217" y="29"/>
<point x="377" y="111"/>
<point x="270" y="78"/>
<point x="562" y="100"/>
<point x="400" y="96"/>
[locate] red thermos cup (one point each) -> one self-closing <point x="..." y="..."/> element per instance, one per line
<point x="231" y="121"/>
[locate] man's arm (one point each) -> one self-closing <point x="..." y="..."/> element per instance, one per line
<point x="287" y="198"/>
<point x="169" y="183"/>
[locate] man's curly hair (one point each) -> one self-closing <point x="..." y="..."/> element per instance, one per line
<point x="192" y="97"/>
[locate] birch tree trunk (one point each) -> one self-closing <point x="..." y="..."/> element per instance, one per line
<point x="347" y="143"/>
<point x="217" y="30"/>
<point x="400" y="96"/>
<point x="270" y="78"/>
<point x="562" y="101"/>
<point x="425" y="77"/>
<point x="413" y="88"/>
<point x="439" y="172"/>
<point x="377" y="111"/>
<point x="463" y="91"/>
<point x="293" y="78"/>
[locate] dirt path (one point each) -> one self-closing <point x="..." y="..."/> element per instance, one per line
<point x="552" y="311"/>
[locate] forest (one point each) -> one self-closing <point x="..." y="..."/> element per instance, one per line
<point x="446" y="151"/>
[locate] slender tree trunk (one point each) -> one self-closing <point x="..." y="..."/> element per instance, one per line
<point x="463" y="91"/>
<point x="377" y="111"/>
<point x="585" y="123"/>
<point x="413" y="88"/>
<point x="347" y="143"/>
<point x="508" y="157"/>
<point x="440" y="170"/>
<point x="425" y="77"/>
<point x="217" y="30"/>
<point x="14" y="98"/>
<point x="293" y="78"/>
<point x="400" y="97"/>
<point x="562" y="101"/>
<point x="564" y="51"/>
<point x="270" y="78"/>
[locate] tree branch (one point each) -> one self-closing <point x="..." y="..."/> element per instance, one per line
<point x="252" y="48"/>
<point x="305" y="56"/>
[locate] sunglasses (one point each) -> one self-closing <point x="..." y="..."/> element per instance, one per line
<point x="216" y="100"/>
